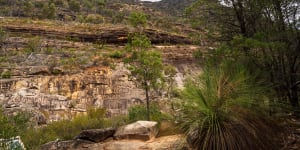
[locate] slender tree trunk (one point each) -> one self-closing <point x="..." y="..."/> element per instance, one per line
<point x="239" y="11"/>
<point x="279" y="14"/>
<point x="148" y="103"/>
<point x="294" y="93"/>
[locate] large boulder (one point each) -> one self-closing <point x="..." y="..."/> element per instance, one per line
<point x="140" y="130"/>
<point x="96" y="135"/>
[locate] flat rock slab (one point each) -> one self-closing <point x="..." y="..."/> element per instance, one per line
<point x="65" y="145"/>
<point x="140" y="130"/>
<point x="172" y="142"/>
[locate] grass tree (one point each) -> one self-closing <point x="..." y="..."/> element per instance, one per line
<point x="223" y="109"/>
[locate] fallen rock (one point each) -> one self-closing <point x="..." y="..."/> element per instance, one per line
<point x="39" y="70"/>
<point x="57" y="70"/>
<point x="140" y="130"/>
<point x="96" y="135"/>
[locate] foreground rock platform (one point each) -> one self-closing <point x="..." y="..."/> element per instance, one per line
<point x="172" y="142"/>
<point x="140" y="135"/>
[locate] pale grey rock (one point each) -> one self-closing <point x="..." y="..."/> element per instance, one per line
<point x="140" y="130"/>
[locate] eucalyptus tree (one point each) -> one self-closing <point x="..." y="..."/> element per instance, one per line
<point x="267" y="31"/>
<point x="145" y="66"/>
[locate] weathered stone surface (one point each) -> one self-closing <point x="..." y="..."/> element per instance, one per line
<point x="163" y="143"/>
<point x="140" y="130"/>
<point x="96" y="135"/>
<point x="172" y="142"/>
<point x="65" y="145"/>
<point x="64" y="96"/>
<point x="39" y="70"/>
<point x="115" y="35"/>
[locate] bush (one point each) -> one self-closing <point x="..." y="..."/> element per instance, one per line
<point x="116" y="55"/>
<point x="137" y="19"/>
<point x="6" y="74"/>
<point x="139" y="112"/>
<point x="33" y="138"/>
<point x="118" y="18"/>
<point x="34" y="44"/>
<point x="95" y="18"/>
<point x="11" y="126"/>
<point x="68" y="129"/>
<point x="74" y="5"/>
<point x="3" y="59"/>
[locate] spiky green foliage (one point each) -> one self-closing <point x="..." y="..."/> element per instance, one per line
<point x="222" y="109"/>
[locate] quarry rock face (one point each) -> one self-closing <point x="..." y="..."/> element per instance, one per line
<point x="140" y="130"/>
<point x="60" y="97"/>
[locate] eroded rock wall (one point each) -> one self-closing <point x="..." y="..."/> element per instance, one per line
<point x="64" y="96"/>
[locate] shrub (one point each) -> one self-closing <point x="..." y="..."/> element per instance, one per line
<point x="137" y="19"/>
<point x="95" y="18"/>
<point x="33" y="138"/>
<point x="74" y="5"/>
<point x="34" y="44"/>
<point x="49" y="50"/>
<point x="68" y="129"/>
<point x="116" y="55"/>
<point x="118" y="18"/>
<point x="6" y="74"/>
<point x="139" y="112"/>
<point x="3" y="59"/>
<point x="11" y="126"/>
